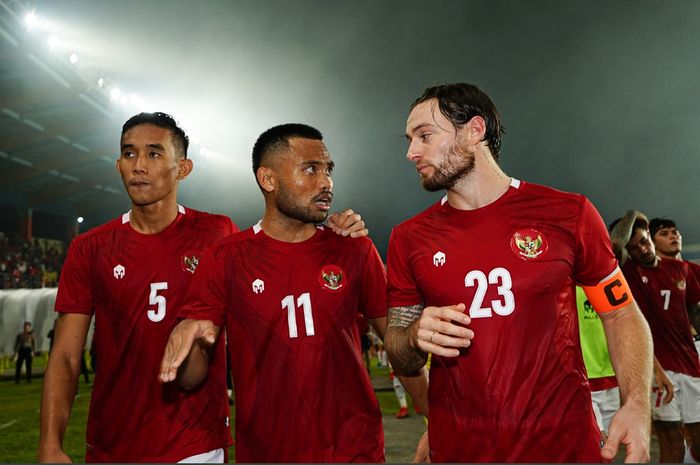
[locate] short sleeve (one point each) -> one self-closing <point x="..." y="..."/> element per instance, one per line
<point x="206" y="298"/>
<point x="373" y="297"/>
<point x="595" y="259"/>
<point x="403" y="289"/>
<point x="74" y="287"/>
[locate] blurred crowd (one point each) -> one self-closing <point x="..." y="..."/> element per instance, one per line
<point x="29" y="264"/>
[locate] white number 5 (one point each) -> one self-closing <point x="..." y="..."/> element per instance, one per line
<point x="159" y="300"/>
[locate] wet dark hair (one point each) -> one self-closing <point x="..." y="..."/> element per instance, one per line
<point x="660" y="223"/>
<point x="277" y="138"/>
<point x="460" y="102"/>
<point x="165" y="121"/>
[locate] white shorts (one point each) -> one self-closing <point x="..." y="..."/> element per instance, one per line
<point x="685" y="406"/>
<point x="606" y="403"/>
<point x="213" y="456"/>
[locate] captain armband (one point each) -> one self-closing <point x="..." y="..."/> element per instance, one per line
<point x="611" y="293"/>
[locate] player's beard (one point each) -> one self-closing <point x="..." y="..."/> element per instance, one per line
<point x="455" y="165"/>
<point x="290" y="206"/>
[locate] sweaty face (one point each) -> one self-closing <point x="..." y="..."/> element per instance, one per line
<point x="434" y="147"/>
<point x="641" y="249"/>
<point x="148" y="164"/>
<point x="668" y="241"/>
<point x="304" y="191"/>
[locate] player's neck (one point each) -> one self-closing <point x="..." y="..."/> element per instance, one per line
<point x="153" y="218"/>
<point x="483" y="186"/>
<point x="283" y="228"/>
<point x="670" y="257"/>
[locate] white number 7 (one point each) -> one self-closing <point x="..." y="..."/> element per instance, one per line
<point x="667" y="297"/>
<point x="159" y="300"/>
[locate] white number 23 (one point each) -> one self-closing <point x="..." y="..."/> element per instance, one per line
<point x="499" y="276"/>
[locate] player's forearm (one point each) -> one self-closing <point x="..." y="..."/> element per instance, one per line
<point x="630" y="346"/>
<point x="405" y="358"/>
<point x="60" y="383"/>
<point x="417" y="387"/>
<point x="403" y="355"/>
<point x="194" y="369"/>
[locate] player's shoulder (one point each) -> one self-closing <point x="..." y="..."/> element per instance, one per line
<point x="529" y="189"/>
<point x="206" y="218"/>
<point x="327" y="234"/>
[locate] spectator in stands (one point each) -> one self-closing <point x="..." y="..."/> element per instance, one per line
<point x="25" y="346"/>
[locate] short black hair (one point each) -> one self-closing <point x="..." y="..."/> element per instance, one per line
<point x="460" y="102"/>
<point x="277" y="138"/>
<point x="162" y="120"/>
<point x="660" y="223"/>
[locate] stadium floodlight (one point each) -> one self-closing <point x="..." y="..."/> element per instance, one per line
<point x="73" y="58"/>
<point x="100" y="82"/>
<point x="80" y="219"/>
<point x="53" y="42"/>
<point x="30" y="19"/>
<point x="115" y="93"/>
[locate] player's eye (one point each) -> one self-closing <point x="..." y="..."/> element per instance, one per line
<point x="311" y="169"/>
<point x="128" y="154"/>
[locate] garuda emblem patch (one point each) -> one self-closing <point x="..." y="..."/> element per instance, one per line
<point x="332" y="277"/>
<point x="528" y="244"/>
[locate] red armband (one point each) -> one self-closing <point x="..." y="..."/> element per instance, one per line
<point x="610" y="294"/>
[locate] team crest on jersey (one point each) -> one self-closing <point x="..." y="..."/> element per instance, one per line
<point x="189" y="262"/>
<point x="645" y="279"/>
<point x="528" y="244"/>
<point x="331" y="277"/>
<point x="680" y="284"/>
<point x="119" y="271"/>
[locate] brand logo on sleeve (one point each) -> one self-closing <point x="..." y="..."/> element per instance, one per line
<point x="331" y="277"/>
<point x="258" y="286"/>
<point x="439" y="259"/>
<point x="528" y="244"/>
<point x="119" y="271"/>
<point x="680" y="284"/>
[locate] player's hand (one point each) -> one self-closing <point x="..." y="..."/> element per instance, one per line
<point x="441" y="330"/>
<point x="347" y="223"/>
<point x="55" y="455"/>
<point x="185" y="335"/>
<point x="629" y="426"/>
<point x="422" y="450"/>
<point x="663" y="383"/>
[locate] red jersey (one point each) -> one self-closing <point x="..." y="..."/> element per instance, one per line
<point x="133" y="283"/>
<point x="663" y="294"/>
<point x="302" y="391"/>
<point x="519" y="393"/>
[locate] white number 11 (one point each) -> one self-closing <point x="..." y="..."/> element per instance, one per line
<point x="303" y="301"/>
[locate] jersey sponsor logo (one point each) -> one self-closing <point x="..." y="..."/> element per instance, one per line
<point x="331" y="277"/>
<point x="528" y="244"/>
<point x="680" y="285"/>
<point x="119" y="271"/>
<point x="189" y="262"/>
<point x="258" y="286"/>
<point x="439" y="259"/>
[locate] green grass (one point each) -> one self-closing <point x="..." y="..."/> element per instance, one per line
<point x="19" y="422"/>
<point x="19" y="417"/>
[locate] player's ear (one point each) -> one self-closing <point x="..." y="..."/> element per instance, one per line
<point x="184" y="168"/>
<point x="474" y="130"/>
<point x="266" y="178"/>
